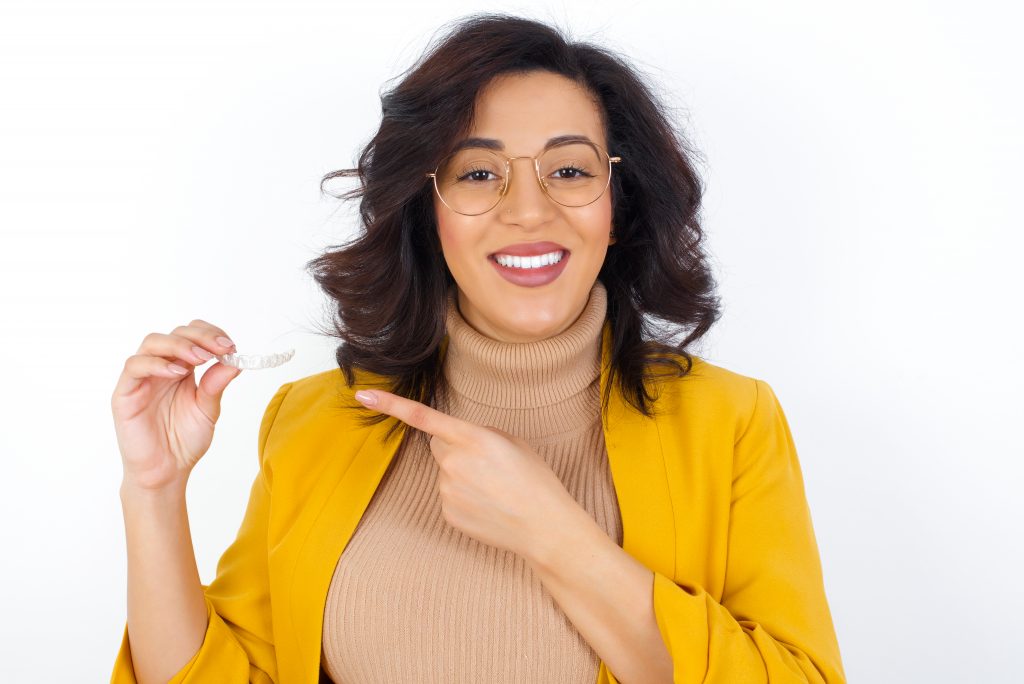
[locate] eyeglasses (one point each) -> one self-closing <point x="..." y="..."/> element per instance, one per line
<point x="472" y="181"/>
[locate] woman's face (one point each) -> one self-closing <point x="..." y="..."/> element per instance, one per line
<point x="522" y="112"/>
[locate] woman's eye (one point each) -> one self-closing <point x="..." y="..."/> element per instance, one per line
<point x="476" y="175"/>
<point x="573" y="172"/>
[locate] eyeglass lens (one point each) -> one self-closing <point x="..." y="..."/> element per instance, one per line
<point x="471" y="180"/>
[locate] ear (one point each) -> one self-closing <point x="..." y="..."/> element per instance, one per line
<point x="611" y="237"/>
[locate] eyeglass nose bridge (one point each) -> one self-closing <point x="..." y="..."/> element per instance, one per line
<point x="508" y="177"/>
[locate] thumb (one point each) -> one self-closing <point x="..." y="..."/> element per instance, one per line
<point x="212" y="385"/>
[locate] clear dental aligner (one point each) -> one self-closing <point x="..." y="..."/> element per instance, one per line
<point x="256" y="361"/>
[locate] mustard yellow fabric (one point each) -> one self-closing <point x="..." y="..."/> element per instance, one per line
<point x="712" y="501"/>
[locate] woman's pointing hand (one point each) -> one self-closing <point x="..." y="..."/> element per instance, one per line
<point x="494" y="487"/>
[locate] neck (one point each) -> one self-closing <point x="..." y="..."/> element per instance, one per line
<point x="524" y="375"/>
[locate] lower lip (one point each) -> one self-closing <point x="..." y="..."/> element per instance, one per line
<point x="531" y="277"/>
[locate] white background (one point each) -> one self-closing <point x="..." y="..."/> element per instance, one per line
<point x="160" y="163"/>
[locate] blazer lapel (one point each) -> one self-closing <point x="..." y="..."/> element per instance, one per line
<point x="637" y="465"/>
<point x="330" y="515"/>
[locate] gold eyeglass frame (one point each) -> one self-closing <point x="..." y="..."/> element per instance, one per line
<point x="536" y="168"/>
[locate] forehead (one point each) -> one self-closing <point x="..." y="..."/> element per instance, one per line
<point x="524" y="111"/>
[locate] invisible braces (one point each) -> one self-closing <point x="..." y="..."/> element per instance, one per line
<point x="255" y="361"/>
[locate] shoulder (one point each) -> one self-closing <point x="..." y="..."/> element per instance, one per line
<point x="706" y="376"/>
<point x="307" y="417"/>
<point x="311" y="398"/>
<point x="312" y="389"/>
<point x="717" y="394"/>
<point x="713" y="382"/>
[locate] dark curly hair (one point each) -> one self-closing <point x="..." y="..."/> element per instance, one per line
<point x="389" y="285"/>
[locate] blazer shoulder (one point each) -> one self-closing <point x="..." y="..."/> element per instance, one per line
<point x="707" y="376"/>
<point x="311" y="410"/>
<point x="311" y="399"/>
<point x="329" y="385"/>
<point x="718" y="392"/>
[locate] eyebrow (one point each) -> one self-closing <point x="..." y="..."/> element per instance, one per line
<point x="494" y="144"/>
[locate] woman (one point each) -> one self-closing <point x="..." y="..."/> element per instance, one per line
<point x="530" y="484"/>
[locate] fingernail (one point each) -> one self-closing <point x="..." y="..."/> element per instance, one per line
<point x="366" y="398"/>
<point x="225" y="342"/>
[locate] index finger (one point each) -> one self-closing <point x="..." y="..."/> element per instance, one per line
<point x="200" y="323"/>
<point x="419" y="416"/>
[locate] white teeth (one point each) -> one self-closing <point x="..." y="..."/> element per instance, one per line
<point x="529" y="262"/>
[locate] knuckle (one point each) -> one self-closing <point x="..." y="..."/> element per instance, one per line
<point x="418" y="414"/>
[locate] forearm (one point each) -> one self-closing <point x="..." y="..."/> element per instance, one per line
<point x="606" y="594"/>
<point x="167" y="615"/>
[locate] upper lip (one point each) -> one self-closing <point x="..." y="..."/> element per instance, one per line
<point x="530" y="249"/>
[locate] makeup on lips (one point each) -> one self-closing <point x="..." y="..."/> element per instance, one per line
<point x="530" y="264"/>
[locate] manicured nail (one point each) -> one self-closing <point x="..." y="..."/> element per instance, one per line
<point x="366" y="398"/>
<point x="225" y="342"/>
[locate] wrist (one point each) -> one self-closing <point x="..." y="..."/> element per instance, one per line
<point x="169" y="492"/>
<point x="560" y="535"/>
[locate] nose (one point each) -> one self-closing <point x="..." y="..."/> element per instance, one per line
<point x="524" y="195"/>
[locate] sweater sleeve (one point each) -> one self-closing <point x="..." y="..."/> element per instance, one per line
<point x="238" y="644"/>
<point x="773" y="623"/>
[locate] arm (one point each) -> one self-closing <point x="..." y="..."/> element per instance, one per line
<point x="606" y="594"/>
<point x="773" y="623"/>
<point x="226" y="638"/>
<point x="167" y="615"/>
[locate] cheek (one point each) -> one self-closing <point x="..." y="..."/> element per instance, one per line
<point x="457" y="242"/>
<point x="604" y="208"/>
<point x="447" y="231"/>
<point x="596" y="221"/>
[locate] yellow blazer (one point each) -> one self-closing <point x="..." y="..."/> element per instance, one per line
<point x="712" y="501"/>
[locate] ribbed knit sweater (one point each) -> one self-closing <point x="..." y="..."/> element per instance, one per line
<point x="412" y="598"/>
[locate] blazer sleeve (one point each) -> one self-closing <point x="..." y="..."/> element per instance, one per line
<point x="238" y="645"/>
<point x="773" y="623"/>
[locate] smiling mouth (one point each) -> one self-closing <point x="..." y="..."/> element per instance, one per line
<point x="531" y="275"/>
<point x="530" y="263"/>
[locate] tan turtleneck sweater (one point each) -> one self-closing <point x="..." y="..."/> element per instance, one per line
<point x="415" y="600"/>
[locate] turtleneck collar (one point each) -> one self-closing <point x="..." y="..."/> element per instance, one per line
<point x="528" y="374"/>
